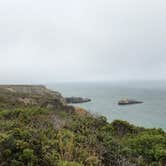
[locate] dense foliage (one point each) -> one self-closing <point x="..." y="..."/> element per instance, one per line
<point x="43" y="137"/>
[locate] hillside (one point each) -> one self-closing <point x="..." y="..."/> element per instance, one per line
<point x="37" y="128"/>
<point x="29" y="95"/>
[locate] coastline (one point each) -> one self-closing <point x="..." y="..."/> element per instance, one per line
<point x="150" y="114"/>
<point x="39" y="128"/>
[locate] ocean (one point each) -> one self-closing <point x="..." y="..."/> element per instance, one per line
<point x="105" y="96"/>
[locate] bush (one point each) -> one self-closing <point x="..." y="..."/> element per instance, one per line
<point x="28" y="136"/>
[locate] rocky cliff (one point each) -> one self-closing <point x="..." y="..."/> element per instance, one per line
<point x="13" y="96"/>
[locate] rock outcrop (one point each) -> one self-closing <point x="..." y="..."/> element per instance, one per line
<point x="128" y="102"/>
<point x="76" y="100"/>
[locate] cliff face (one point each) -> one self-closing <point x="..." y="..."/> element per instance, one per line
<point x="29" y="95"/>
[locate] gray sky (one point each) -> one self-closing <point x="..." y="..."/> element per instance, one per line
<point x="82" y="40"/>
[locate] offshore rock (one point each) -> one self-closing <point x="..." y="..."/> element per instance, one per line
<point x="76" y="100"/>
<point x="129" y="102"/>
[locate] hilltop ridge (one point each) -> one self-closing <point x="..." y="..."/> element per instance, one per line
<point x="40" y="90"/>
<point x="29" y="95"/>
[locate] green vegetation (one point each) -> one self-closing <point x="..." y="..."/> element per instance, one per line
<point x="35" y="137"/>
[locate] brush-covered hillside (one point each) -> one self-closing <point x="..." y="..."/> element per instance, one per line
<point x="37" y="128"/>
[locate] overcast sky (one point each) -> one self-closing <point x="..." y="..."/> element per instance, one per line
<point x="82" y="40"/>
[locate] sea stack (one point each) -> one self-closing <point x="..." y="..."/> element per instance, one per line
<point x="76" y="100"/>
<point x="129" y="102"/>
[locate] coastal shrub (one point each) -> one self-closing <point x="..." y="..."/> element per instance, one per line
<point x="28" y="136"/>
<point x="122" y="128"/>
<point x="66" y="144"/>
<point x="67" y="163"/>
<point x="152" y="147"/>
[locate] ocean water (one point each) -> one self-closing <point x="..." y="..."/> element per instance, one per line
<point x="105" y="96"/>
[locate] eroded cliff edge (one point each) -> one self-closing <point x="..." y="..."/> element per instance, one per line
<point x="13" y="96"/>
